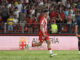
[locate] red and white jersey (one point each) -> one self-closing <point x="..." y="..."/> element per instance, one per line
<point x="43" y="22"/>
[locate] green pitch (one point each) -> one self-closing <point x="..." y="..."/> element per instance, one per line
<point x="38" y="55"/>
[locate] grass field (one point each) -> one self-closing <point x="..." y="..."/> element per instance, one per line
<point x="38" y="55"/>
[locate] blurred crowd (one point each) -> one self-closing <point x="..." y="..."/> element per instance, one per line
<point x="28" y="12"/>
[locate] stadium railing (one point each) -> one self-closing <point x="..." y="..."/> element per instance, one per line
<point x="27" y="28"/>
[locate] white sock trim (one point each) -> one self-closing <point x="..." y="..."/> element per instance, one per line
<point x="50" y="51"/>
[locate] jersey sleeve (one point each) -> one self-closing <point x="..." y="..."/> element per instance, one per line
<point x="42" y="21"/>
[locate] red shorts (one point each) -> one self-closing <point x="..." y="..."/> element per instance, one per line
<point x="41" y="35"/>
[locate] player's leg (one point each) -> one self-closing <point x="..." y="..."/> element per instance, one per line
<point x="40" y="43"/>
<point x="36" y="44"/>
<point x="79" y="44"/>
<point x="48" y="46"/>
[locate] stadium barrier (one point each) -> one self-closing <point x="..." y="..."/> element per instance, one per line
<point x="57" y="43"/>
<point x="27" y="28"/>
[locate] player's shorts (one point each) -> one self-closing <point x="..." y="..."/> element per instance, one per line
<point x="41" y="35"/>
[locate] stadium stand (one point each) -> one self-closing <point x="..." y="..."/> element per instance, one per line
<point x="25" y="15"/>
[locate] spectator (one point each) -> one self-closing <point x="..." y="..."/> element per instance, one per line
<point x="59" y="22"/>
<point x="60" y="11"/>
<point x="53" y="19"/>
<point x="16" y="12"/>
<point x="24" y="10"/>
<point x="19" y="6"/>
<point x="29" y="24"/>
<point x="59" y="19"/>
<point x="15" y="3"/>
<point x="35" y="25"/>
<point x="15" y="24"/>
<point x="21" y="17"/>
<point x="32" y="10"/>
<point x="15" y="20"/>
<point x="4" y="13"/>
<point x="68" y="5"/>
<point x="66" y="13"/>
<point x="69" y="18"/>
<point x="62" y="16"/>
<point x="64" y="2"/>
<point x="54" y="27"/>
<point x="53" y="13"/>
<point x="10" y="24"/>
<point x="11" y="10"/>
<point x="24" y="1"/>
<point x="78" y="5"/>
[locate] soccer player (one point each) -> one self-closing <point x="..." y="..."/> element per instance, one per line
<point x="43" y="35"/>
<point x="78" y="32"/>
<point x="77" y="28"/>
